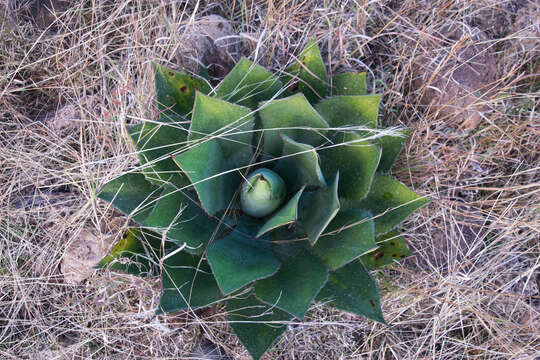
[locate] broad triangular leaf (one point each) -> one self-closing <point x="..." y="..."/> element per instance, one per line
<point x="187" y="282"/>
<point x="175" y="92"/>
<point x="349" y="84"/>
<point x="318" y="208"/>
<point x="132" y="194"/>
<point x="355" y="159"/>
<point x="256" y="324"/>
<point x="287" y="214"/>
<point x="349" y="235"/>
<point x="352" y="289"/>
<point x="294" y="117"/>
<point x="248" y="84"/>
<point x="207" y="167"/>
<point x="239" y="259"/>
<point x="299" y="165"/>
<point x="296" y="284"/>
<point x="390" y="202"/>
<point x="391" y="146"/>
<point x="341" y="111"/>
<point x="392" y="248"/>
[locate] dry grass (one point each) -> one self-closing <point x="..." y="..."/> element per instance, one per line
<point x="471" y="292"/>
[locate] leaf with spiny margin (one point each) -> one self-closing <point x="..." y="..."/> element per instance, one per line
<point x="294" y="287"/>
<point x="392" y="247"/>
<point x="175" y="91"/>
<point x="391" y="147"/>
<point x="233" y="123"/>
<point x="287" y="214"/>
<point x="352" y="289"/>
<point x="132" y="194"/>
<point x="186" y="283"/>
<point x="155" y="142"/>
<point x="248" y="84"/>
<point x="291" y="112"/>
<point x="137" y="253"/>
<point x="349" y="84"/>
<point x="299" y="165"/>
<point x="256" y="324"/>
<point x="355" y="159"/>
<point x="349" y="236"/>
<point x="239" y="259"/>
<point x="207" y="167"/>
<point x="313" y="80"/>
<point x="390" y="202"/>
<point x="342" y="111"/>
<point x="317" y="209"/>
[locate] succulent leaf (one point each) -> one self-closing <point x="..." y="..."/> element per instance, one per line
<point x="390" y="202"/>
<point x="155" y="142"/>
<point x="349" y="236"/>
<point x="299" y="165"/>
<point x="132" y="194"/>
<point x="349" y="84"/>
<point x="167" y="208"/>
<point x="233" y="124"/>
<point x="248" y="84"/>
<point x="137" y="253"/>
<point x="256" y="324"/>
<point x="239" y="259"/>
<point x="352" y="289"/>
<point x="284" y="216"/>
<point x="290" y="289"/>
<point x="294" y="117"/>
<point x="209" y="171"/>
<point x="175" y="92"/>
<point x="318" y="208"/>
<point x="341" y="111"/>
<point x="356" y="160"/>
<point x="391" y="147"/>
<point x="263" y="191"/>
<point x="187" y="283"/>
<point x="392" y="248"/>
<point x="311" y="73"/>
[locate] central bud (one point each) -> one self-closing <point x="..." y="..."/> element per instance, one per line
<point x="262" y="193"/>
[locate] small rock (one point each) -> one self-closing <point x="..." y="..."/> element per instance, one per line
<point x="69" y="116"/>
<point x="211" y="40"/>
<point x="454" y="74"/>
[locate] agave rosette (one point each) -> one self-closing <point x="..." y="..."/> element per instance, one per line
<point x="265" y="193"/>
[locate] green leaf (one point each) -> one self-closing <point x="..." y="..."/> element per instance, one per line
<point x="233" y="123"/>
<point x="286" y="215"/>
<point x="392" y="247"/>
<point x="278" y="116"/>
<point x="167" y="208"/>
<point x="295" y="285"/>
<point x="299" y="165"/>
<point x="391" y="147"/>
<point x="256" y="324"/>
<point x="132" y="194"/>
<point x="175" y="92"/>
<point x="352" y="289"/>
<point x="239" y="259"/>
<point x="155" y="142"/>
<point x="137" y="253"/>
<point x="341" y="111"/>
<point x="206" y="166"/>
<point x="355" y="159"/>
<point x="318" y="208"/>
<point x="193" y="228"/>
<point x="248" y="84"/>
<point x="390" y="202"/>
<point x="187" y="282"/>
<point x="349" y="235"/>
<point x="313" y="80"/>
<point x="349" y="84"/>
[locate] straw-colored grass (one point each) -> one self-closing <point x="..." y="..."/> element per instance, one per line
<point x="471" y="291"/>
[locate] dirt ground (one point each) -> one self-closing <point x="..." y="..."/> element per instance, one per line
<point x="463" y="76"/>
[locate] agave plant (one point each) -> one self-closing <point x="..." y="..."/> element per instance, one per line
<point x="263" y="194"/>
